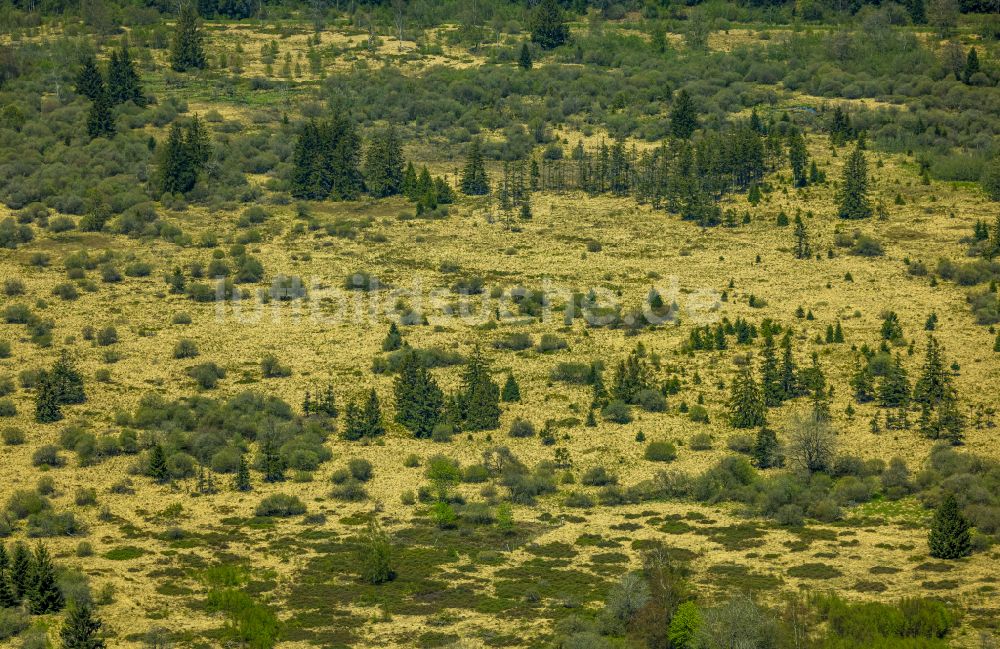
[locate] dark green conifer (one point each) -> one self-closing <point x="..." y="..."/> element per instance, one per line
<point x="480" y="395"/>
<point x="862" y="382"/>
<point x="43" y="592"/>
<point x="81" y="628"/>
<point x="124" y="83"/>
<point x="90" y="81"/>
<point x="384" y="164"/>
<point x="802" y="249"/>
<point x="789" y="374"/>
<point x="683" y="115"/>
<point x="21" y="567"/>
<point x="419" y="400"/>
<point x="524" y="59"/>
<point x="798" y="158"/>
<point x="474" y="180"/>
<point x="746" y="403"/>
<point x="770" y="373"/>
<point x="548" y="27"/>
<point x="766" y="452"/>
<point x="393" y="340"/>
<point x="511" y="392"/>
<point x="853" y="201"/>
<point x="100" y="119"/>
<point x="971" y="65"/>
<point x="158" y="464"/>
<point x="187" y="50"/>
<point x="242" y="480"/>
<point x="47" y="402"/>
<point x="271" y="463"/>
<point x="949" y="536"/>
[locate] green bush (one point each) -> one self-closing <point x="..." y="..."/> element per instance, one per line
<point x="281" y="505"/>
<point x="617" y="412"/>
<point x="660" y="452"/>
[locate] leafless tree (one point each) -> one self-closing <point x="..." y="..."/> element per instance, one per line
<point x="399" y="17"/>
<point x="811" y="442"/>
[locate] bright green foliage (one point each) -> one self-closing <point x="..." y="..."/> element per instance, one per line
<point x="684" y="626"/>
<point x="375" y="556"/>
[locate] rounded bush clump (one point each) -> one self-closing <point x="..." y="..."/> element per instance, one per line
<point x="660" y="452"/>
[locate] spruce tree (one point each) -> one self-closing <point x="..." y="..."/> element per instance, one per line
<point x="124" y="83"/>
<point x="393" y="340"/>
<point x="90" y="81"/>
<point x="242" y="480"/>
<point x="548" y="27"/>
<point x="949" y="536"/>
<point x="384" y="164"/>
<point x="7" y="597"/>
<point x="480" y="396"/>
<point x="862" y="382"/>
<point x="419" y="400"/>
<point x="158" y="464"/>
<point x="81" y="628"/>
<point x="271" y="462"/>
<point x="746" y="403"/>
<point x="372" y="416"/>
<point x="770" y="373"/>
<point x="409" y="187"/>
<point x="802" y="249"/>
<point x="43" y="592"/>
<point x="21" y="567"/>
<point x="798" y="158"/>
<point x="683" y="116"/>
<point x="354" y="425"/>
<point x="175" y="168"/>
<point x="511" y="392"/>
<point x="894" y="389"/>
<point x="187" y="51"/>
<point x="474" y="180"/>
<point x="100" y="119"/>
<point x="326" y="160"/>
<point x="47" y="402"/>
<point x="789" y="374"/>
<point x="853" y="201"/>
<point x="766" y="452"/>
<point x="934" y="384"/>
<point x="971" y="65"/>
<point x="67" y="380"/>
<point x="524" y="59"/>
